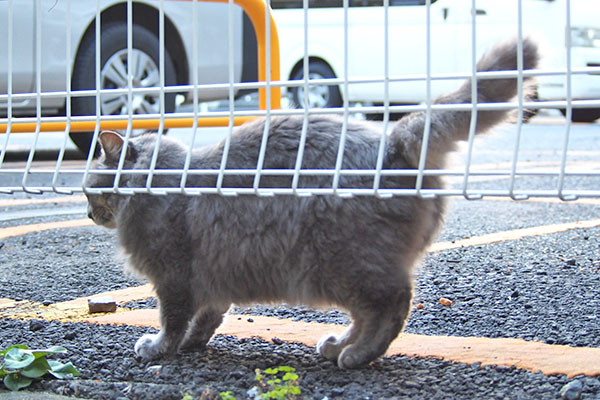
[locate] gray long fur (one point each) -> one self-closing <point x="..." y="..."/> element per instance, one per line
<point x="204" y="253"/>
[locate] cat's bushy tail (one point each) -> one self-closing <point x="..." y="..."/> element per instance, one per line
<point x="447" y="126"/>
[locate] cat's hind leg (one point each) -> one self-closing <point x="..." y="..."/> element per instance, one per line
<point x="330" y="346"/>
<point x="202" y="327"/>
<point x="376" y="327"/>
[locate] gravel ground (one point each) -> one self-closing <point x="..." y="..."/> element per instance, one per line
<point x="110" y="370"/>
<point x="537" y="288"/>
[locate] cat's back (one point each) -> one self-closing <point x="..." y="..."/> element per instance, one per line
<point x="322" y="137"/>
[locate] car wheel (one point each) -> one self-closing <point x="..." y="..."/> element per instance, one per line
<point x="319" y="96"/>
<point x="113" y="74"/>
<point x="582" y="114"/>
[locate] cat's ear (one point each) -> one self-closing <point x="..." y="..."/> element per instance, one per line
<point x="112" y="145"/>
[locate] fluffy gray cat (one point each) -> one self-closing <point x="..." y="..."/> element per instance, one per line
<point x="203" y="253"/>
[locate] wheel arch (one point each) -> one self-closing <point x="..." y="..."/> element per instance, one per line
<point x="300" y="64"/>
<point x="146" y="16"/>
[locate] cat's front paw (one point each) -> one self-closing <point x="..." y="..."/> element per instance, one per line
<point x="149" y="346"/>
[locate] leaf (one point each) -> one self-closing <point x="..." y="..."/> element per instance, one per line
<point x="44" y="352"/>
<point x="17" y="358"/>
<point x="61" y="371"/>
<point x="226" y="395"/>
<point x="15" y="382"/>
<point x="295" y="390"/>
<point x="36" y="369"/>
<point x="16" y="346"/>
<point x="271" y="371"/>
<point x="290" y="376"/>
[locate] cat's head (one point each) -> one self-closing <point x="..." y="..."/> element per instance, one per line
<point x="103" y="208"/>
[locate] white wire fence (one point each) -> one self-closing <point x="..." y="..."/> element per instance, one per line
<point x="556" y="159"/>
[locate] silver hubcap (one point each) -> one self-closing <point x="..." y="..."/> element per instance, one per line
<point x="144" y="72"/>
<point x="318" y="95"/>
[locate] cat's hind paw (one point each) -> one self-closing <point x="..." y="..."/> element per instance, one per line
<point x="149" y="346"/>
<point x="329" y="347"/>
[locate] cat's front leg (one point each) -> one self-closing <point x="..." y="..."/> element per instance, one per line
<point x="175" y="313"/>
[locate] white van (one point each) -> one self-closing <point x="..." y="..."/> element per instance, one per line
<point x="451" y="43"/>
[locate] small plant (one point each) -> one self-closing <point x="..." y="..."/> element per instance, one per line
<point x="279" y="383"/>
<point x="227" y="395"/>
<point x="20" y="366"/>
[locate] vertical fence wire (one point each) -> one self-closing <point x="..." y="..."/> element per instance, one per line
<point x="38" y="98"/>
<point x="474" y="102"/>
<point x="61" y="154"/>
<point x="231" y="97"/>
<point x="569" y="107"/>
<point x="518" y="129"/>
<point x="97" y="94"/>
<point x="128" y="132"/>
<point x="341" y="147"/>
<point x="386" y="99"/>
<point x="188" y="155"/>
<point x="427" y="128"/>
<point x="161" y="62"/>
<point x="267" y="127"/>
<point x="305" y="86"/>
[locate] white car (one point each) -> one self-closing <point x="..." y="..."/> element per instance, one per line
<point x="451" y="42"/>
<point x="48" y="19"/>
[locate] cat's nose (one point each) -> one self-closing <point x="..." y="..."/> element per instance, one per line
<point x="89" y="214"/>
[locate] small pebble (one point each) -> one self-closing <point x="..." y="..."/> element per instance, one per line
<point x="70" y="336"/>
<point x="250" y="320"/>
<point x="277" y="341"/>
<point x="35" y="325"/>
<point x="445" y="302"/>
<point x="571" y="391"/>
<point x="411" y="385"/>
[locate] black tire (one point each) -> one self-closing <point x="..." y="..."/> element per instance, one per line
<point x="114" y="40"/>
<point x="326" y="96"/>
<point x="583" y="114"/>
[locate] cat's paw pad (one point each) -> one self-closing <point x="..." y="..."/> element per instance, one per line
<point x="329" y="347"/>
<point x="148" y="347"/>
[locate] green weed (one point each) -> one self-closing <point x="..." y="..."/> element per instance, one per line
<point x="20" y="366"/>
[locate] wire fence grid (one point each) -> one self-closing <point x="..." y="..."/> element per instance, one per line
<point x="149" y="97"/>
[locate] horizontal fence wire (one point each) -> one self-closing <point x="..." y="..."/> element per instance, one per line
<point x="520" y="160"/>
